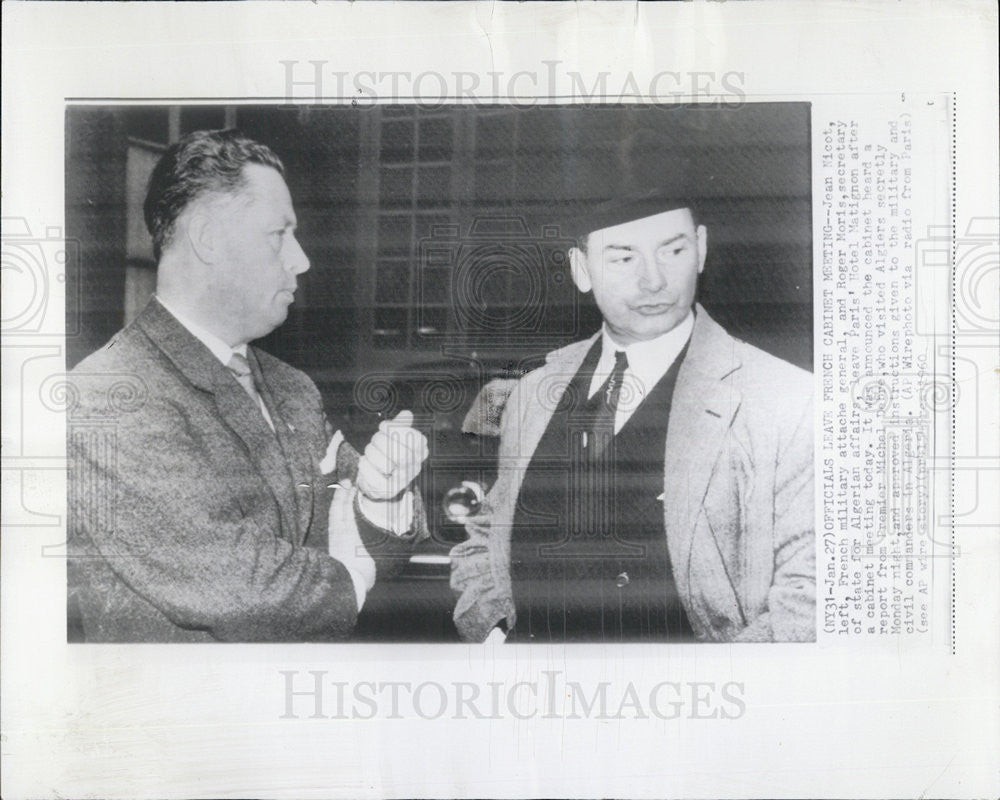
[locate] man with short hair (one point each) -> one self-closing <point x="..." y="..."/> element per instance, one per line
<point x="201" y="510"/>
<point x="655" y="481"/>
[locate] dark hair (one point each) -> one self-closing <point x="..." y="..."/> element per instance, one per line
<point x="202" y="162"/>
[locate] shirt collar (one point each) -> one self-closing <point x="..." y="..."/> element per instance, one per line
<point x="216" y="346"/>
<point x="648" y="361"/>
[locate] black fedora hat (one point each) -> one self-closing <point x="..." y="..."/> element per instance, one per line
<point x="656" y="174"/>
<point x="619" y="210"/>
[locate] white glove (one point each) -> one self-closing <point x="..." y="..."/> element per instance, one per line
<point x="391" y="462"/>
<point x="345" y="545"/>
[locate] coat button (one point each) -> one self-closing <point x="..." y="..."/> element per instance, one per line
<point x="622" y="580"/>
<point x="305" y="486"/>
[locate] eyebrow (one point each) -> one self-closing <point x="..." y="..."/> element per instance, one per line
<point x="671" y="240"/>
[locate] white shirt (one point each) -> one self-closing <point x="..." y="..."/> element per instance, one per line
<point x="216" y="346"/>
<point x="647" y="363"/>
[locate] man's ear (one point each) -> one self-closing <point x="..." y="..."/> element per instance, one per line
<point x="578" y="269"/>
<point x="702" y="247"/>
<point x="203" y="234"/>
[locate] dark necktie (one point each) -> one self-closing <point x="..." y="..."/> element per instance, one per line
<point x="607" y="405"/>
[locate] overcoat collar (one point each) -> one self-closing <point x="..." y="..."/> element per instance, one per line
<point x="705" y="402"/>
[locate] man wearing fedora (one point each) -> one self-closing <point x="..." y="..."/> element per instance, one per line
<point x="655" y="480"/>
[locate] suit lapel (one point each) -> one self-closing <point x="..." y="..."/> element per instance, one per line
<point x="704" y="405"/>
<point x="296" y="454"/>
<point x="553" y="381"/>
<point x="236" y="409"/>
<point x="246" y="420"/>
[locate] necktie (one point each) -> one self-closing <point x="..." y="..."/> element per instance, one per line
<point x="240" y="368"/>
<point x="604" y="420"/>
<point x="613" y="388"/>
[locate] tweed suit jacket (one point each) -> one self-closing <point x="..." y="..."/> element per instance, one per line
<point x="737" y="502"/>
<point x="190" y="519"/>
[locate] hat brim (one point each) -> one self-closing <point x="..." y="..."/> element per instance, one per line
<point x="618" y="211"/>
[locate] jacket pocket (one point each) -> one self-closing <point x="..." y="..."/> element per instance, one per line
<point x="713" y="602"/>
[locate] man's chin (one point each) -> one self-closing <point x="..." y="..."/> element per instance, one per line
<point x="657" y="326"/>
<point x="279" y="318"/>
<point x="276" y="321"/>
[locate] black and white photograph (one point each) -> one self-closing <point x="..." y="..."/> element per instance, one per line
<point x="509" y="399"/>
<point x="441" y="372"/>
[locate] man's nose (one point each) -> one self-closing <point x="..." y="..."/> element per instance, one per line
<point x="297" y="261"/>
<point x="651" y="274"/>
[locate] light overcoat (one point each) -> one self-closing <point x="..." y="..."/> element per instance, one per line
<point x="737" y="493"/>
